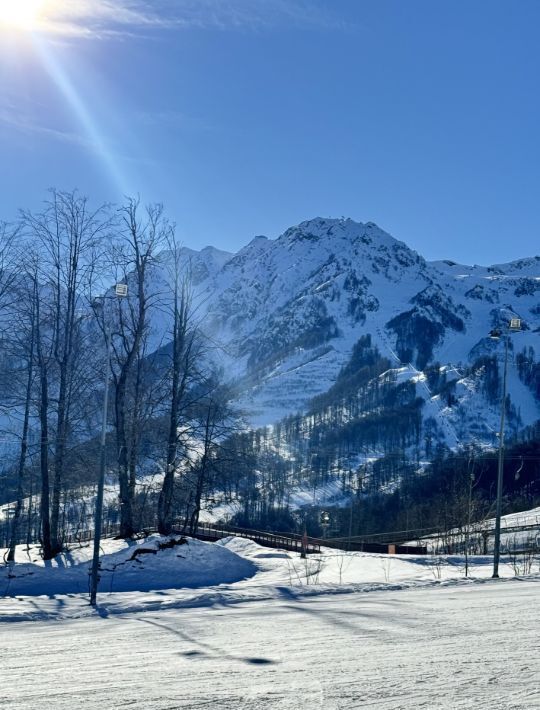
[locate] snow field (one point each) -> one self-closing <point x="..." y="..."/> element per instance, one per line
<point x="245" y="627"/>
<point x="452" y="648"/>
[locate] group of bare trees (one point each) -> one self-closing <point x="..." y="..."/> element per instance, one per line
<point x="62" y="322"/>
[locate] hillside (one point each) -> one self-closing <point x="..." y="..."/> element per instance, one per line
<point x="287" y="313"/>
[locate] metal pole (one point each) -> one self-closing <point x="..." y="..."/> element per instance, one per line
<point x="303" y="553"/>
<point x="350" y="522"/>
<point x="94" y="579"/>
<point x="500" y="471"/>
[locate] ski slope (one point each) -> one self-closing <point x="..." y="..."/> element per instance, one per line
<point x="448" y="648"/>
<point x="251" y="628"/>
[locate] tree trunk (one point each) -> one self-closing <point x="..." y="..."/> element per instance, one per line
<point x="180" y="375"/>
<point x="22" y="457"/>
<point x="126" y="507"/>
<point x="44" y="467"/>
<point x="43" y="409"/>
<point x="61" y="434"/>
<point x="167" y="490"/>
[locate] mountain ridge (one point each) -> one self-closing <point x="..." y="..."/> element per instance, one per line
<point x="289" y="310"/>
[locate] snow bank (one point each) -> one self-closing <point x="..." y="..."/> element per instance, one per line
<point x="154" y="563"/>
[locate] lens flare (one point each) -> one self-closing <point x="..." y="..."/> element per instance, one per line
<point x="85" y="116"/>
<point x="20" y="14"/>
<point x="25" y="28"/>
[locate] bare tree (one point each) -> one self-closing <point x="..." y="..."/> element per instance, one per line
<point x="9" y="296"/>
<point x="181" y="373"/>
<point x="29" y="345"/>
<point x="9" y="234"/>
<point x="217" y="422"/>
<point x="68" y="235"/>
<point x="134" y="256"/>
<point x="42" y="366"/>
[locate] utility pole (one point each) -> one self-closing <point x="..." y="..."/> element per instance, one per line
<point x="121" y="291"/>
<point x="304" y="546"/>
<point x="354" y="492"/>
<point x="513" y="326"/>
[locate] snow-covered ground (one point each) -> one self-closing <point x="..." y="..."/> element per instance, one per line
<point x="526" y="517"/>
<point x="512" y="540"/>
<point x="235" y="625"/>
<point x="138" y="566"/>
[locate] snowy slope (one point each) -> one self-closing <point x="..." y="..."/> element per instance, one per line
<point x="284" y="315"/>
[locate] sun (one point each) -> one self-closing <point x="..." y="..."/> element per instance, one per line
<point x="20" y="14"/>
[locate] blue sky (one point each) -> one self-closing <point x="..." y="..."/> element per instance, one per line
<point x="247" y="116"/>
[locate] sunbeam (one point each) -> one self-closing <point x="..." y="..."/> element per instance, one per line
<point x="92" y="131"/>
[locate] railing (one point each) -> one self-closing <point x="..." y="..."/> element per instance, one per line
<point x="283" y="541"/>
<point x="476" y="536"/>
<point x="293" y="541"/>
<point x="211" y="533"/>
<point x="383" y="548"/>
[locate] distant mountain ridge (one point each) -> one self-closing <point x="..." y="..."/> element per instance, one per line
<point x="287" y="313"/>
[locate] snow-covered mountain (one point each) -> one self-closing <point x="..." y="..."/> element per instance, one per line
<point x="381" y="354"/>
<point x="285" y="314"/>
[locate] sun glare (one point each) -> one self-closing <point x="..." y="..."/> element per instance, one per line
<point x="20" y="14"/>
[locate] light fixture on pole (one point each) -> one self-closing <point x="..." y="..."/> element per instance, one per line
<point x="514" y="325"/>
<point x="325" y="522"/>
<point x="355" y="490"/>
<point x="121" y="291"/>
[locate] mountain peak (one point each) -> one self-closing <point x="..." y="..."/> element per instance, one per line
<point x="339" y="233"/>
